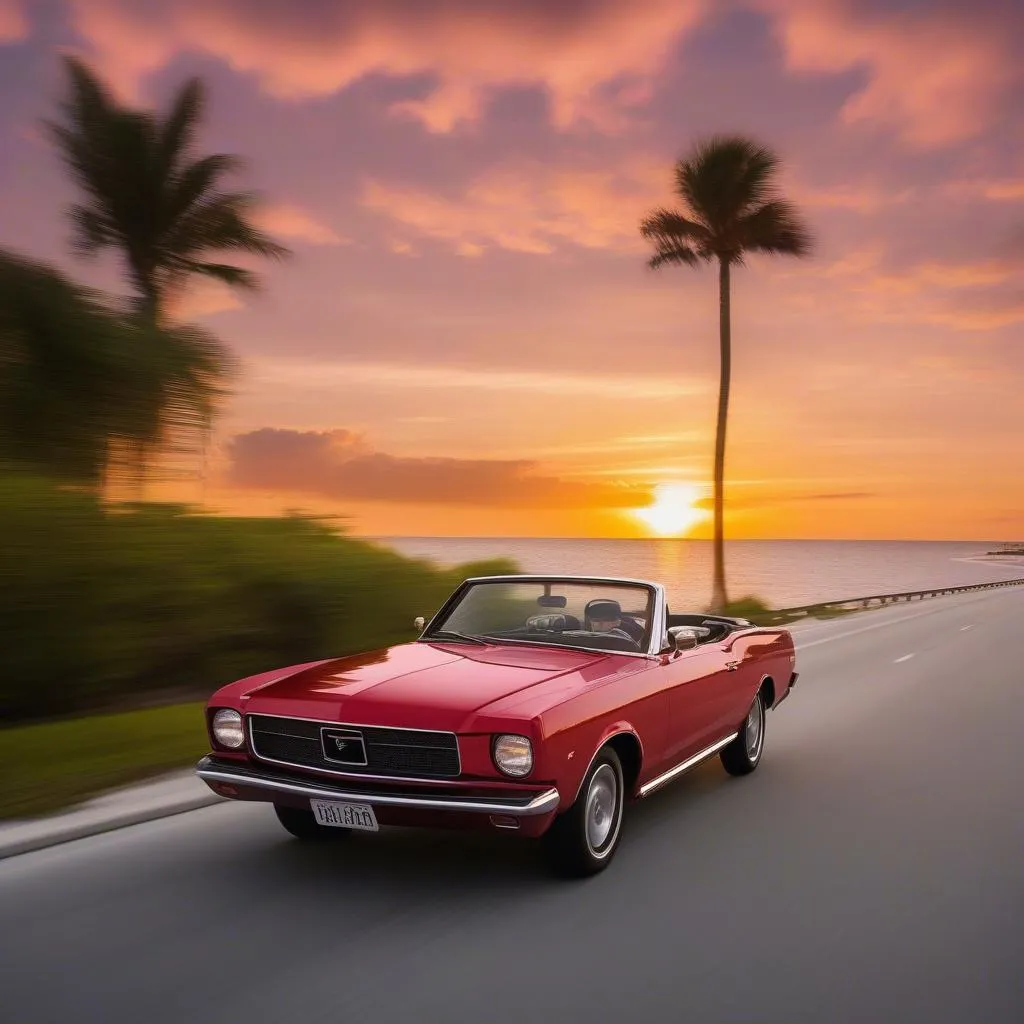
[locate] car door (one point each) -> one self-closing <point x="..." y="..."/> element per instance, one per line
<point x="696" y="685"/>
<point x="746" y="657"/>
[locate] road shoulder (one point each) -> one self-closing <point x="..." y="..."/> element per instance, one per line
<point x="170" y="794"/>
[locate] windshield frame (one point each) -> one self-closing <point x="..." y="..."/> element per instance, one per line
<point x="657" y="634"/>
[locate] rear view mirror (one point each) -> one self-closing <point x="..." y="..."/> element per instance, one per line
<point x="419" y="622"/>
<point x="683" y="638"/>
<point x="551" y="601"/>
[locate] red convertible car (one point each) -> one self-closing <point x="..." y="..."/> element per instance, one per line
<point x="540" y="705"/>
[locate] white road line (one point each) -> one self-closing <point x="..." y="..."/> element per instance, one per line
<point x="971" y="626"/>
<point x="864" y="629"/>
<point x="906" y="657"/>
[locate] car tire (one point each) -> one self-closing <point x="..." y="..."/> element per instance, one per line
<point x="743" y="755"/>
<point x="301" y="824"/>
<point x="583" y="840"/>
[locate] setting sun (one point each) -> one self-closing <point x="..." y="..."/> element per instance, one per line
<point x="673" y="510"/>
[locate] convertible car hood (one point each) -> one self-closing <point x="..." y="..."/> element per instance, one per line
<point x="437" y="683"/>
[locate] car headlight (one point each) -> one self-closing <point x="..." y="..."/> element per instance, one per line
<point x="227" y="729"/>
<point x="513" y="754"/>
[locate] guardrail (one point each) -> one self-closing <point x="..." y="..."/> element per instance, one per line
<point x="884" y="599"/>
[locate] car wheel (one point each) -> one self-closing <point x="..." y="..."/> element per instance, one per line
<point x="583" y="840"/>
<point x="301" y="824"/>
<point x="743" y="755"/>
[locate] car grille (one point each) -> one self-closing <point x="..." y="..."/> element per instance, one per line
<point x="408" y="752"/>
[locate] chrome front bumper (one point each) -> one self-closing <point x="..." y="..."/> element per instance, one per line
<point x="244" y="777"/>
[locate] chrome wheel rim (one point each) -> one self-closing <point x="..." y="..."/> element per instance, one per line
<point x="602" y="810"/>
<point x="754" y="729"/>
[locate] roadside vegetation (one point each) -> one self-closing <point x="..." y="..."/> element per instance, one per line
<point x="119" y="607"/>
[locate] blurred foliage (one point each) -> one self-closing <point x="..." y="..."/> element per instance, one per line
<point x="109" y="607"/>
<point x="749" y="607"/>
<point x="46" y="767"/>
<point x="145" y="193"/>
<point x="756" y="611"/>
<point x="84" y="384"/>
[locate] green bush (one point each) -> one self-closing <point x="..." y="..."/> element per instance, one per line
<point x="106" y="608"/>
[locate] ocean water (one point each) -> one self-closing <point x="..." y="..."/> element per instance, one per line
<point x="782" y="573"/>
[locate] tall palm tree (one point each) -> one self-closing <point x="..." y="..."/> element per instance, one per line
<point x="728" y="189"/>
<point x="148" y="196"/>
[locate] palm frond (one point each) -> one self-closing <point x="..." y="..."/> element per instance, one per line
<point x="237" y="277"/>
<point x="221" y="223"/>
<point x="726" y="176"/>
<point x="677" y="240"/>
<point x="775" y="228"/>
<point x="178" y="131"/>
<point x="198" y="181"/>
<point x="91" y="230"/>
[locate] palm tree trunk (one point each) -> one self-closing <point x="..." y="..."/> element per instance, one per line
<point x="719" y="599"/>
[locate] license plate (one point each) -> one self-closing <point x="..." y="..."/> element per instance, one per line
<point x="336" y="814"/>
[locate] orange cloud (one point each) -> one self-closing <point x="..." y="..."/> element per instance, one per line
<point x="531" y="208"/>
<point x="590" y="56"/>
<point x="1008" y="189"/>
<point x="14" y="25"/>
<point x="944" y="275"/>
<point x="936" y="74"/>
<point x="320" y="374"/>
<point x="293" y="222"/>
<point x="205" y="298"/>
<point x="963" y="296"/>
<point x="338" y="464"/>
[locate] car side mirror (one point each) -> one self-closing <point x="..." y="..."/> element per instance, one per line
<point x="683" y="638"/>
<point x="419" y="622"/>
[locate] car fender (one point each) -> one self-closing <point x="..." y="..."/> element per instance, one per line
<point x="575" y="783"/>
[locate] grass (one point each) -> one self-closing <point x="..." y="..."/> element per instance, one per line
<point x="45" y="768"/>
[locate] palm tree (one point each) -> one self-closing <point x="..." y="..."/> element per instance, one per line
<point x="146" y="195"/>
<point x="730" y="208"/>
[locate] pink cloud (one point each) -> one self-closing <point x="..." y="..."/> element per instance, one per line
<point x="936" y="75"/>
<point x="14" y="25"/>
<point x="294" y="222"/>
<point x="968" y="296"/>
<point x="860" y="198"/>
<point x="341" y="465"/>
<point x="591" y="56"/>
<point x="532" y="208"/>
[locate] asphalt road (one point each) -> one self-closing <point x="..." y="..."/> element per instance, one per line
<point x="871" y="870"/>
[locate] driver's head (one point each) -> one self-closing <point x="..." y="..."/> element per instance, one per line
<point x="604" y="615"/>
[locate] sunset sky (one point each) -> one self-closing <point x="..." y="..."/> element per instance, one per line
<point x="467" y="339"/>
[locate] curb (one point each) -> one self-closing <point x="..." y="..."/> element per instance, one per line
<point x="70" y="831"/>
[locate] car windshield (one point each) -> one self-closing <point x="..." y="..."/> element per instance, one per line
<point x="607" y="616"/>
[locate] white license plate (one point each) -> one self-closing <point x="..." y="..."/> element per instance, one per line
<point x="344" y="815"/>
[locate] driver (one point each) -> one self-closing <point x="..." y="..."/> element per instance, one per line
<point x="606" y="615"/>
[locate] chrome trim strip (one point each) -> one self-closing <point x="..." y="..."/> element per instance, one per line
<point x="540" y="804"/>
<point x="450" y="780"/>
<point x="690" y="762"/>
<point x="349" y="725"/>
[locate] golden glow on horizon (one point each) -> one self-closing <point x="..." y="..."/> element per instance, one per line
<point x="673" y="510"/>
